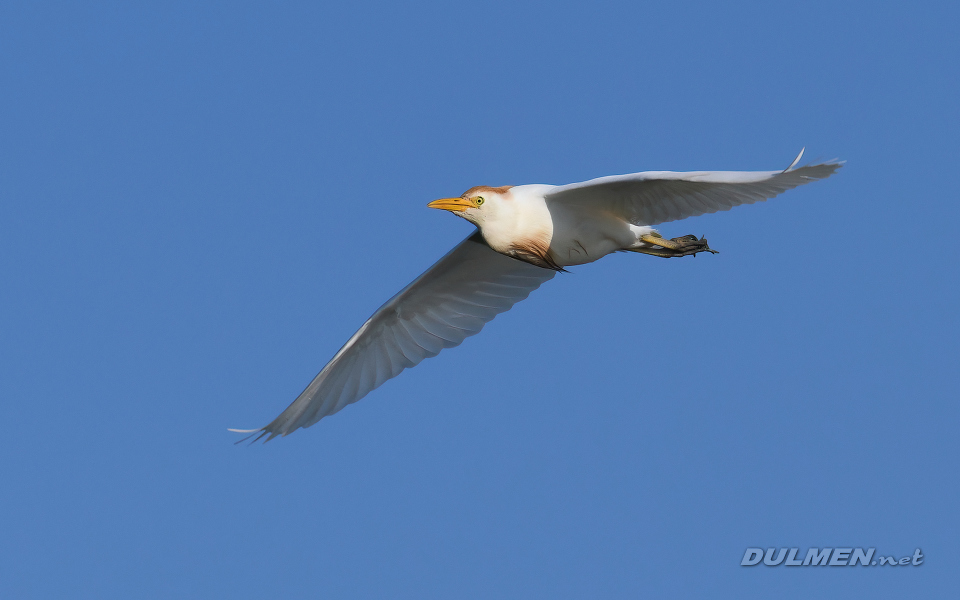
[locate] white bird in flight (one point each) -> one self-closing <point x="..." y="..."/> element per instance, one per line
<point x="525" y="235"/>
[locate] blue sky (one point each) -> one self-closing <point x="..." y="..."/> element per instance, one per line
<point x="200" y="202"/>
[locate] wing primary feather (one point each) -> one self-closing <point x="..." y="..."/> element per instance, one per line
<point x="796" y="160"/>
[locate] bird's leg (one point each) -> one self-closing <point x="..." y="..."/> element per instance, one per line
<point x="655" y="245"/>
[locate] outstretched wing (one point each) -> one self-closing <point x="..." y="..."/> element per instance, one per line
<point x="451" y="301"/>
<point x="653" y="197"/>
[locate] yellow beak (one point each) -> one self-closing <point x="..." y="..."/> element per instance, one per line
<point x="451" y="204"/>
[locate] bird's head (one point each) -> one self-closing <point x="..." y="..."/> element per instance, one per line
<point x="478" y="205"/>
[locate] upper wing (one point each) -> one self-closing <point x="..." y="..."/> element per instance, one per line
<point x="653" y="197"/>
<point x="451" y="301"/>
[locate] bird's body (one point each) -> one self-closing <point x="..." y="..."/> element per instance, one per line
<point x="526" y="234"/>
<point x="527" y="224"/>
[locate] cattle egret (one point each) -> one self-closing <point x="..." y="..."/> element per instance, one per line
<point x="525" y="235"/>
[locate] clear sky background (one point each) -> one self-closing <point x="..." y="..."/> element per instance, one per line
<point x="200" y="202"/>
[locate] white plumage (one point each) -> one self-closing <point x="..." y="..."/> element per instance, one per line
<point x="525" y="235"/>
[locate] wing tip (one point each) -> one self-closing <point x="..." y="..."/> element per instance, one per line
<point x="836" y="163"/>
<point x="259" y="433"/>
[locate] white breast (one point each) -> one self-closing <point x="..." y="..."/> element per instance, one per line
<point x="521" y="219"/>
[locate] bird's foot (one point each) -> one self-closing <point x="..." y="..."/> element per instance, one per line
<point x="687" y="245"/>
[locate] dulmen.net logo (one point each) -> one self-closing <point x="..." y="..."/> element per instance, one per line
<point x="832" y="557"/>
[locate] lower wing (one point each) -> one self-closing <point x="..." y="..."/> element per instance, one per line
<point x="451" y="301"/>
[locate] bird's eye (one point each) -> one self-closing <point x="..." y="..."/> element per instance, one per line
<point x="479" y="200"/>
